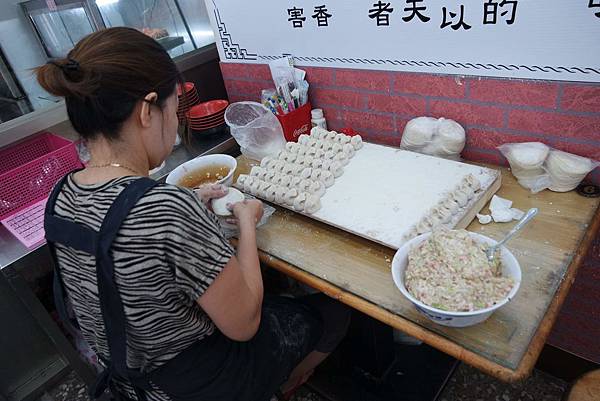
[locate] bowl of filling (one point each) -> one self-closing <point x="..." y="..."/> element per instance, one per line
<point x="448" y="278"/>
<point x="203" y="170"/>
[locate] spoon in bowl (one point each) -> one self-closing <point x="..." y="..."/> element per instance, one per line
<point x="491" y="251"/>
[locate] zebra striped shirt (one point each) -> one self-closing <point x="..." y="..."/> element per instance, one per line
<point x="166" y="254"/>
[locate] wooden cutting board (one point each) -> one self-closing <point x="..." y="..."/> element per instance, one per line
<point x="385" y="191"/>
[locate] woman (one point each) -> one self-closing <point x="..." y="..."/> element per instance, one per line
<point x="172" y="312"/>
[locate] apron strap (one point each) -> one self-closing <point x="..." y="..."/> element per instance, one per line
<point x="111" y="305"/>
<point x="99" y="244"/>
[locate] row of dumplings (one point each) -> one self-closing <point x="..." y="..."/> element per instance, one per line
<point x="302" y="194"/>
<point x="443" y="212"/>
<point x="332" y="136"/>
<point x="326" y="175"/>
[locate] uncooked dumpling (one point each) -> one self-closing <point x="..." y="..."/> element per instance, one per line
<point x="472" y="182"/>
<point x="316" y="163"/>
<point x="270" y="193"/>
<point x="292" y="146"/>
<point x="291" y="157"/>
<point x="297" y="169"/>
<point x="336" y="169"/>
<point x="257" y="172"/>
<point x="303" y="139"/>
<point x="289" y="196"/>
<point x="461" y="197"/>
<point x="285" y="180"/>
<point x="425" y="225"/>
<point x="327" y="178"/>
<point x="451" y="205"/>
<point x="317" y="188"/>
<point x="341" y="157"/>
<point x="303" y="185"/>
<point x="348" y="150"/>
<point x="337" y="148"/>
<point x="280" y="194"/>
<point x="316" y="173"/>
<point x="329" y="155"/>
<point x="311" y="152"/>
<point x="319" y="154"/>
<point x="288" y="168"/>
<point x="276" y="178"/>
<point x="241" y="180"/>
<point x="306" y="173"/>
<point x="356" y="142"/>
<point x="312" y="204"/>
<point x="264" y="163"/>
<point x="299" y="201"/>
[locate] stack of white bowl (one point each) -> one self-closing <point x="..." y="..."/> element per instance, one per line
<point x="567" y="170"/>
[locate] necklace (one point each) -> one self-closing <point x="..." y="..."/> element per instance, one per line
<point x="113" y="165"/>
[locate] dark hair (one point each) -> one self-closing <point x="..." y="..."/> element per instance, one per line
<point x="105" y="75"/>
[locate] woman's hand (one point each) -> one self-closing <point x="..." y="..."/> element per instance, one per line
<point x="249" y="210"/>
<point x="210" y="191"/>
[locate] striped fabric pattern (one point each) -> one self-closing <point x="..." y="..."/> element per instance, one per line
<point x="167" y="252"/>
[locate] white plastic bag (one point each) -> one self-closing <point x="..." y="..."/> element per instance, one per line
<point x="436" y="137"/>
<point x="538" y="166"/>
<point x="255" y="128"/>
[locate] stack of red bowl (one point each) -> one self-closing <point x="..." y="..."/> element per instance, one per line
<point x="188" y="97"/>
<point x="207" y="115"/>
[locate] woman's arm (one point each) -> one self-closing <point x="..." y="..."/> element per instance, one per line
<point x="234" y="300"/>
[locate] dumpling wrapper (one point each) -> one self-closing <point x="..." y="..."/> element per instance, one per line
<point x="219" y="205"/>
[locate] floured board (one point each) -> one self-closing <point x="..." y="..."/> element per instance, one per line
<point x="385" y="191"/>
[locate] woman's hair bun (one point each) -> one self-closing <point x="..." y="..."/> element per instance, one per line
<point x="67" y="78"/>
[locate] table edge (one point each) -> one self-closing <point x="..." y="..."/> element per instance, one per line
<point x="439" y="342"/>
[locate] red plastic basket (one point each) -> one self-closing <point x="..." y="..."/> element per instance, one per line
<point x="30" y="168"/>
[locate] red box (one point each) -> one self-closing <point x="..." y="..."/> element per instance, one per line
<point x="296" y="123"/>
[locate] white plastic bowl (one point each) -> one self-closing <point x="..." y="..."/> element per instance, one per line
<point x="510" y="268"/>
<point x="201" y="162"/>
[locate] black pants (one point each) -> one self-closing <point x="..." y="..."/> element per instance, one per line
<point x="220" y="369"/>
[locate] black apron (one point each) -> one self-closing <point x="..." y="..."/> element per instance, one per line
<point x="214" y="368"/>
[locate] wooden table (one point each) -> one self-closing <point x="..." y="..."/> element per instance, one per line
<point x="357" y="272"/>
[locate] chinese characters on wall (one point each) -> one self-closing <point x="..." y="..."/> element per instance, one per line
<point x="494" y="11"/>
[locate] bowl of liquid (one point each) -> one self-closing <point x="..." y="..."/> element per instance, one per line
<point x="204" y="170"/>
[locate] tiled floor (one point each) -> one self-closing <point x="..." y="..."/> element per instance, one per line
<point x="466" y="384"/>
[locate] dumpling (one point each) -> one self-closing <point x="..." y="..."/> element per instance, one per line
<point x="282" y="155"/>
<point x="308" y="160"/>
<point x="329" y="155"/>
<point x="257" y="172"/>
<point x="311" y="151"/>
<point x="337" y="148"/>
<point x="451" y="205"/>
<point x="297" y="169"/>
<point x="303" y="185"/>
<point x="299" y="201"/>
<point x="316" y="188"/>
<point x="344" y="139"/>
<point x="316" y="174"/>
<point x="295" y="181"/>
<point x="278" y="165"/>
<point x="264" y="163"/>
<point x="276" y="178"/>
<point x="348" y="150"/>
<point x="303" y="139"/>
<point x="327" y="178"/>
<point x="331" y="135"/>
<point x="319" y="153"/>
<point x="301" y="151"/>
<point x="306" y="173"/>
<point x="336" y="169"/>
<point x="356" y="142"/>
<point x="339" y="138"/>
<point x="285" y="180"/>
<point x="269" y="175"/>
<point x="312" y="204"/>
<point x="288" y="168"/>
<point x="241" y="180"/>
<point x="270" y="193"/>
<point x="316" y="163"/>
<point x="248" y="184"/>
<point x="290" y="195"/>
<point x="292" y="146"/>
<point x="341" y="157"/>
<point x="280" y="194"/>
<point x="460" y="197"/>
<point x="425" y="225"/>
<point x="291" y="157"/>
<point x="472" y="182"/>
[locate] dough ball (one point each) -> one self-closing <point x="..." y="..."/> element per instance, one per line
<point x="418" y="132"/>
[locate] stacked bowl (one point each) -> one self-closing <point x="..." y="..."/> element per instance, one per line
<point x="188" y="97"/>
<point x="207" y="115"/>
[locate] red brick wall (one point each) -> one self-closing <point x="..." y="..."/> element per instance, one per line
<point x="378" y="104"/>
